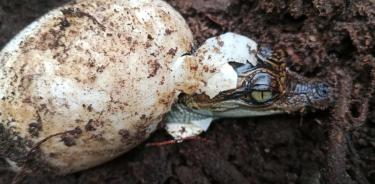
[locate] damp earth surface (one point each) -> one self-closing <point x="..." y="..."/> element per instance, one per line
<point x="331" y="39"/>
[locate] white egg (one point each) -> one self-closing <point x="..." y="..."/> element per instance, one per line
<point x="99" y="67"/>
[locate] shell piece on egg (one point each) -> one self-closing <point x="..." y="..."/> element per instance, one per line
<point x="216" y="54"/>
<point x="99" y="70"/>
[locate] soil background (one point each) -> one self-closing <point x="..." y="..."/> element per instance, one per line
<point x="332" y="39"/>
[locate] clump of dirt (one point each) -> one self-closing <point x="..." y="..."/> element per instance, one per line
<point x="332" y="39"/>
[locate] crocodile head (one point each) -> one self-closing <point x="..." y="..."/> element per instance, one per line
<point x="268" y="87"/>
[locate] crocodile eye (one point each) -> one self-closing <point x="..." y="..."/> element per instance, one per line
<point x="260" y="88"/>
<point x="261" y="96"/>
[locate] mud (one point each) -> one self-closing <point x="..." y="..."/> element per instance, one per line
<point x="332" y="39"/>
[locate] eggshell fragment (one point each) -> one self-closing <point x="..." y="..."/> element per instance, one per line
<point x="216" y="54"/>
<point x="99" y="69"/>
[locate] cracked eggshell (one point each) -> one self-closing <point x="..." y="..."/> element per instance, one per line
<point x="99" y="67"/>
<point x="216" y="53"/>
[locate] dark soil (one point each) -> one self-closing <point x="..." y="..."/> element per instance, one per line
<point x="333" y="39"/>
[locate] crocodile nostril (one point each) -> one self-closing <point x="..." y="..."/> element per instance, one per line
<point x="322" y="90"/>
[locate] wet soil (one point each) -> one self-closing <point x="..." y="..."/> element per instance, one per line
<point x="332" y="39"/>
